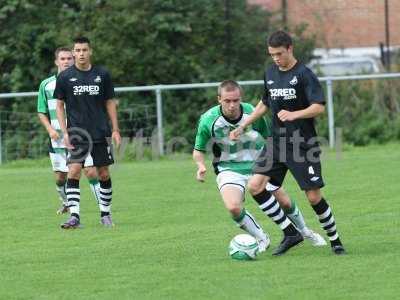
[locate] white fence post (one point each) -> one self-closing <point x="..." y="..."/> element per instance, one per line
<point x="1" y="145"/>
<point x="160" y="131"/>
<point x="331" y="115"/>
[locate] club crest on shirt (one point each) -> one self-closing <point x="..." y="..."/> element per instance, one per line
<point x="270" y="82"/>
<point x="293" y="81"/>
<point x="73" y="79"/>
<point x="97" y="79"/>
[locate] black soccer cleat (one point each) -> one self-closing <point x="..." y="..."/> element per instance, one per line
<point x="338" y="250"/>
<point x="288" y="242"/>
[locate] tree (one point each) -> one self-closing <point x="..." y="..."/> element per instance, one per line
<point x="142" y="43"/>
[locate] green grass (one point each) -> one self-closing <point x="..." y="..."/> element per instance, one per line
<point x="172" y="234"/>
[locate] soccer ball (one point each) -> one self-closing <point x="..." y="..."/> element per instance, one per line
<point x="243" y="247"/>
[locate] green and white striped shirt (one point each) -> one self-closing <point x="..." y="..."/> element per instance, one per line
<point x="237" y="156"/>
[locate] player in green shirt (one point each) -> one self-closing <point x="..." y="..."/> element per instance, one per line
<point x="233" y="162"/>
<point x="46" y="108"/>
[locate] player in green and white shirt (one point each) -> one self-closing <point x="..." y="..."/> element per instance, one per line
<point x="46" y="108"/>
<point x="233" y="163"/>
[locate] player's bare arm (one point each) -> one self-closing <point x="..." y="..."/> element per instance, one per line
<point x="312" y="111"/>
<point x="61" y="120"/>
<point x="198" y="157"/>
<point x="258" y="112"/>
<point x="111" y="106"/>
<point x="50" y="130"/>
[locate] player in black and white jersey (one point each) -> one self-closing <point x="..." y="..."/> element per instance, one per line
<point x="46" y="108"/>
<point x="295" y="98"/>
<point x="87" y="93"/>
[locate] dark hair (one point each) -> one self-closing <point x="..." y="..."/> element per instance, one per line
<point x="61" y="49"/>
<point x="81" y="40"/>
<point x="280" y="38"/>
<point x="229" y="85"/>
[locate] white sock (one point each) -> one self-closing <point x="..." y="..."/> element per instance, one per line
<point x="62" y="194"/>
<point x="247" y="222"/>
<point x="296" y="216"/>
<point x="95" y="188"/>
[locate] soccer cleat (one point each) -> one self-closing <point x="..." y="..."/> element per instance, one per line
<point x="338" y="250"/>
<point x="62" y="210"/>
<point x="107" y="221"/>
<point x="315" y="239"/>
<point x="263" y="244"/>
<point x="72" y="223"/>
<point x="288" y="242"/>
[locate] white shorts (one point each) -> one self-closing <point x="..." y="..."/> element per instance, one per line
<point x="59" y="162"/>
<point x="229" y="178"/>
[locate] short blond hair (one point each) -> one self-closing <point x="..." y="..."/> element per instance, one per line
<point x="61" y="49"/>
<point x="229" y="85"/>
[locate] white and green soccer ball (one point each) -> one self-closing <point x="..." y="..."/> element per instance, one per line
<point x="243" y="247"/>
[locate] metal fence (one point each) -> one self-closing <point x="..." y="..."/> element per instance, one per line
<point x="22" y="135"/>
<point x="158" y="90"/>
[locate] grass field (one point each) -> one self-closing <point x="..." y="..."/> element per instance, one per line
<point x="171" y="236"/>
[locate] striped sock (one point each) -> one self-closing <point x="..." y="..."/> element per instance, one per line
<point x="268" y="204"/>
<point x="247" y="222"/>
<point x="73" y="196"/>
<point x="323" y="210"/>
<point x="105" y="197"/>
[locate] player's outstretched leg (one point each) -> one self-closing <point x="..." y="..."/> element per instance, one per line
<point x="271" y="208"/>
<point x="248" y="223"/>
<point x="231" y="186"/>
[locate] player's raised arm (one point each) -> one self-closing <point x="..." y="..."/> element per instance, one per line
<point x="111" y="107"/>
<point x="258" y="112"/>
<point x="198" y="157"/>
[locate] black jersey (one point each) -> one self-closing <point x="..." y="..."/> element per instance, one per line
<point x="292" y="90"/>
<point x="85" y="94"/>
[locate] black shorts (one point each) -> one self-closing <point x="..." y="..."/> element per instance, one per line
<point x="305" y="166"/>
<point x="100" y="153"/>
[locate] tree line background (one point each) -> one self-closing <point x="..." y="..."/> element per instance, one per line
<point x="166" y="42"/>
